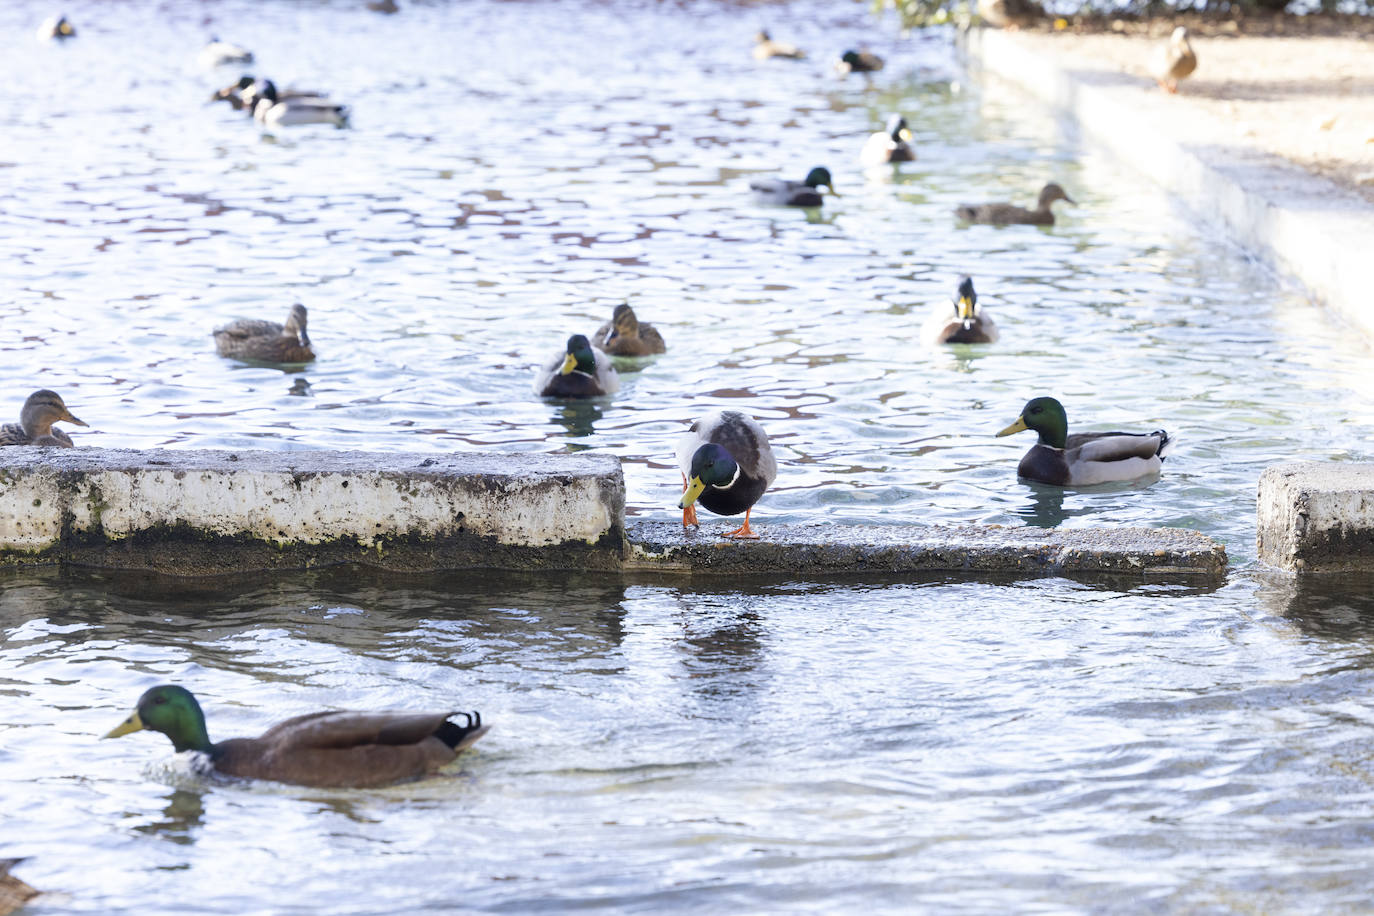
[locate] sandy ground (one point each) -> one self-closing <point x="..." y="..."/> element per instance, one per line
<point x="1307" y="98"/>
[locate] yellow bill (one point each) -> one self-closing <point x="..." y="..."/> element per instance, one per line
<point x="1016" y="427"/>
<point x="695" y="487"/>
<point x="905" y="134"/>
<point x="569" y="364"/>
<point x="127" y="727"/>
<point x="965" y="307"/>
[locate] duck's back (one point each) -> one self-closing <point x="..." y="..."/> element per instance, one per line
<point x="13" y="434"/>
<point x="1004" y="214"/>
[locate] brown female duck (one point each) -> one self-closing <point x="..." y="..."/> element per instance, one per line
<point x="41" y="410"/>
<point x="267" y="341"/>
<point x="325" y="749"/>
<point x="1174" y="61"/>
<point x="1002" y="214"/>
<point x="623" y="335"/>
<point x="13" y="892"/>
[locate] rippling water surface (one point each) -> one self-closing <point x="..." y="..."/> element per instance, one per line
<point x="515" y="170"/>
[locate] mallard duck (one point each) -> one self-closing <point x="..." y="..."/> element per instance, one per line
<point x="340" y="750"/>
<point x="766" y="48"/>
<point x="242" y="94"/>
<point x="1002" y="214"/>
<point x="805" y="193"/>
<point x="267" y="341"/>
<point x="727" y="465"/>
<point x="966" y="322"/>
<point x="1084" y="459"/>
<point x="1010" y="14"/>
<point x="383" y="6"/>
<point x="577" y="371"/>
<point x="889" y="145"/>
<point x="858" y="62"/>
<point x="13" y="892"/>
<point x="623" y="335"/>
<point x="218" y="53"/>
<point x="56" y="28"/>
<point x="41" y="410"/>
<point x="1173" y="61"/>
<point x="274" y="109"/>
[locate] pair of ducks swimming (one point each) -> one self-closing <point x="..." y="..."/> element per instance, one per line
<point x="281" y="108"/>
<point x="851" y="61"/>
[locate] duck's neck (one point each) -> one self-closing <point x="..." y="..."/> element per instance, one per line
<point x="190" y="734"/>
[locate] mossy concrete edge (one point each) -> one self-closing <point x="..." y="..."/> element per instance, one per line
<point x="1316" y="518"/>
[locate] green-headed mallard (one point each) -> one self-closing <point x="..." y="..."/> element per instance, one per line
<point x="243" y="94"/>
<point x="41" y="410"/>
<point x="326" y="749"/>
<point x="578" y="371"/>
<point x="788" y="193"/>
<point x="889" y="145"/>
<point x="624" y="335"/>
<point x="727" y="465"/>
<point x="274" y="109"/>
<point x="267" y="341"/>
<point x="766" y="48"/>
<point x="1002" y="214"/>
<point x="1173" y="61"/>
<point x="965" y="322"/>
<point x="13" y="892"/>
<point x="858" y="62"/>
<point x="219" y="53"/>
<point x="1084" y="459"/>
<point x="56" y="28"/>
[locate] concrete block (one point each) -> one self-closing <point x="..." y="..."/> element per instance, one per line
<point x="827" y="549"/>
<point x="199" y="511"/>
<point x="1317" y="517"/>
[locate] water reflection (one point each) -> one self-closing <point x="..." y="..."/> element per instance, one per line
<point x="182" y="817"/>
<point x="1332" y="606"/>
<point x="578" y="418"/>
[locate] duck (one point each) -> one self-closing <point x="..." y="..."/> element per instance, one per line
<point x="41" y="410"/>
<point x="624" y="335"/>
<point x="334" y="750"/>
<point x="56" y="28"/>
<point x="1084" y="459"/>
<point x="787" y="193"/>
<point x="242" y="95"/>
<point x="274" y="109"/>
<point x="1003" y="214"/>
<point x="1173" y="61"/>
<point x="727" y="465"/>
<point x="965" y="323"/>
<point x="577" y="371"/>
<point x="1010" y="14"/>
<point x="267" y="341"/>
<point x="858" y="62"/>
<point x="765" y="48"/>
<point x="13" y="892"/>
<point x="218" y="53"/>
<point x="891" y="144"/>
<point x="383" y="6"/>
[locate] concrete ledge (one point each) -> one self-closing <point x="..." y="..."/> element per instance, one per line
<point x="1303" y="224"/>
<point x="829" y="549"/>
<point x="205" y="512"/>
<point x="1317" y="517"/>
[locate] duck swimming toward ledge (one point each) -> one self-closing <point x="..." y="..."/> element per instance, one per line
<point x="965" y="323"/>
<point x="787" y="193"/>
<point x="727" y="465"/>
<point x="578" y="371"/>
<point x="1084" y="459"/>
<point x="1004" y="214"/>
<point x="41" y="410"/>
<point x="625" y="335"/>
<point x="267" y="341"/>
<point x="344" y="750"/>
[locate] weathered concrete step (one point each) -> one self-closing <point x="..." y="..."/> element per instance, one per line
<point x="1317" y="517"/>
<point x="202" y="512"/>
<point x="828" y="549"/>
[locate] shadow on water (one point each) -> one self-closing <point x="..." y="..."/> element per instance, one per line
<point x="1334" y="607"/>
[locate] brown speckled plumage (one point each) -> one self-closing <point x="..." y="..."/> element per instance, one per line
<point x="624" y="335"/>
<point x="267" y="341"/>
<point x="41" y="410"/>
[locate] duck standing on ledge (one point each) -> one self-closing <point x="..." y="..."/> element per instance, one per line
<point x="1084" y="459"/>
<point x="624" y="335"/>
<point x="788" y="193"/>
<point x="41" y="410"/>
<point x="765" y="48"/>
<point x="1173" y="61"/>
<point x="889" y="145"/>
<point x="727" y="465"/>
<point x="341" y="750"/>
<point x="267" y="341"/>
<point x="577" y="371"/>
<point x="965" y="323"/>
<point x="1003" y="214"/>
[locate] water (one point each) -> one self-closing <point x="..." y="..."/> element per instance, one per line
<point x="516" y="170"/>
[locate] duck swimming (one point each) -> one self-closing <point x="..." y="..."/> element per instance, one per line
<point x="267" y="341"/>
<point x="578" y="371"/>
<point x="322" y="749"/>
<point x="1084" y="459"/>
<point x="788" y="193"/>
<point x="624" y="335"/>
<point x="889" y="145"/>
<point x="765" y="48"/>
<point x="965" y="322"/>
<point x="274" y="109"/>
<point x="858" y="62"/>
<point x="219" y="53"/>
<point x="41" y="410"/>
<point x="56" y="28"/>
<point x="1003" y="214"/>
<point x="727" y="465"/>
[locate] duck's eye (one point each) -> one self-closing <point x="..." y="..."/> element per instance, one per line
<point x="159" y="699"/>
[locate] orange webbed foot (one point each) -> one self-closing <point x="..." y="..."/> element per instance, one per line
<point x="743" y="532"/>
